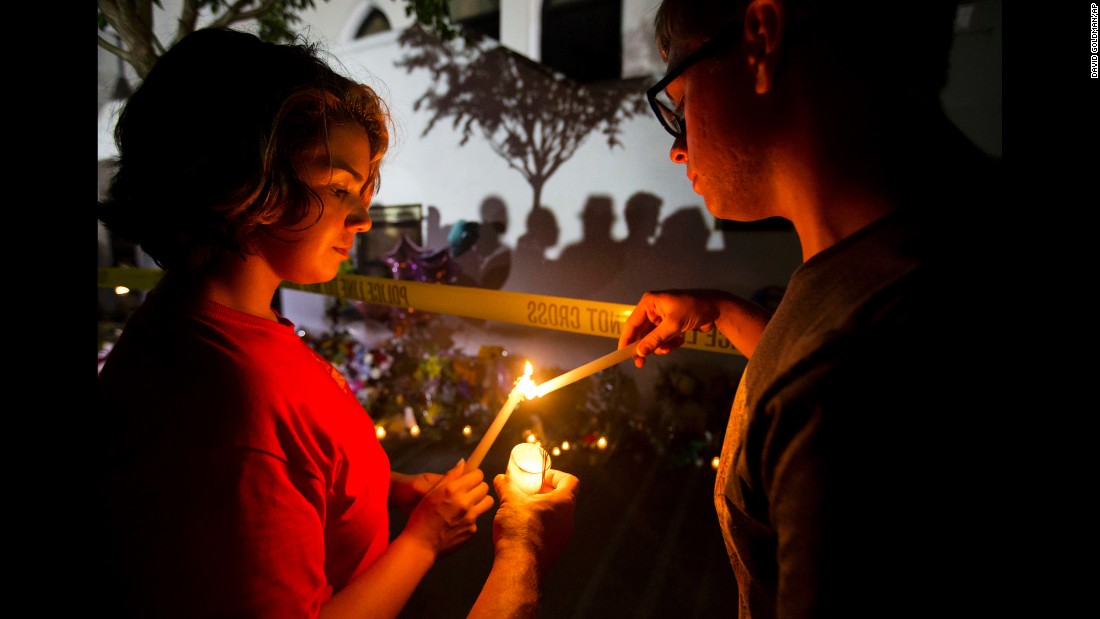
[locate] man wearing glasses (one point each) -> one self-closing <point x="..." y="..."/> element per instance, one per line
<point x="854" y="479"/>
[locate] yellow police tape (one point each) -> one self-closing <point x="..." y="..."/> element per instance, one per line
<point x="534" y="310"/>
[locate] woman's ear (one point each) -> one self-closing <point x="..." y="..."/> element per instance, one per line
<point x="765" y="27"/>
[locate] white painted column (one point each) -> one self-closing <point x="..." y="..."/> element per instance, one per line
<point x="521" y="27"/>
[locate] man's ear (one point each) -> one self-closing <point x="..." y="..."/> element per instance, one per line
<point x="765" y="27"/>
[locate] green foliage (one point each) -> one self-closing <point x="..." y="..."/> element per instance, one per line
<point x="435" y="14"/>
<point x="278" y="23"/>
<point x="132" y="21"/>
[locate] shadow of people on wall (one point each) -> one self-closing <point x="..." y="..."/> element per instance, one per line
<point x="461" y="240"/>
<point x="477" y="248"/>
<point x="681" y="251"/>
<point x="495" y="256"/>
<point x="585" y="267"/>
<point x="435" y="233"/>
<point x="642" y="215"/>
<point x="531" y="269"/>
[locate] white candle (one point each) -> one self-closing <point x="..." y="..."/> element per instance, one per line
<point x="527" y="466"/>
<point x="587" y="369"/>
<point x="524" y="388"/>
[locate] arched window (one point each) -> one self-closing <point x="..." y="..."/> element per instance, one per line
<point x="374" y="22"/>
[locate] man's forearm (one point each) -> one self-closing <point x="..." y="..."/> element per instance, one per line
<point x="512" y="589"/>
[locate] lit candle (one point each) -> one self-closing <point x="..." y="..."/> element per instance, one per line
<point x="587" y="369"/>
<point x="527" y="466"/>
<point x="525" y="387"/>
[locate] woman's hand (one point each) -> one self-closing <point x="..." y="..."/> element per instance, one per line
<point x="407" y="490"/>
<point x="447" y="515"/>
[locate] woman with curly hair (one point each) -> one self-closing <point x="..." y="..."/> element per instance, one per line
<point x="236" y="474"/>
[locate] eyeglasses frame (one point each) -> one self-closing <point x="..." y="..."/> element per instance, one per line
<point x="712" y="46"/>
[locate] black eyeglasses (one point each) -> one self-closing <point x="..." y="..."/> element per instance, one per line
<point x="670" y="113"/>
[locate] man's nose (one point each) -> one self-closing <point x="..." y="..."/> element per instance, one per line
<point x="678" y="152"/>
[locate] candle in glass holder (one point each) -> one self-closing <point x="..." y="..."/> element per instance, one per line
<point x="527" y="466"/>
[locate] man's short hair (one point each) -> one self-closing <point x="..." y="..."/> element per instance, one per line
<point x="895" y="45"/>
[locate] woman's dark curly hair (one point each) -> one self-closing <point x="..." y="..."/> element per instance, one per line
<point x="208" y="144"/>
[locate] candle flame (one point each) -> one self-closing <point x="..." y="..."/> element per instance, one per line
<point x="525" y="385"/>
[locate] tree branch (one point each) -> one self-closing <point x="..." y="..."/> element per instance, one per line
<point x="237" y="12"/>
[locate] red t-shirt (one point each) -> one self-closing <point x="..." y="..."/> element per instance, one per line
<point x="239" y="476"/>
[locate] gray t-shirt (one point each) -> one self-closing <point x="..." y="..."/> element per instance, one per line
<point x="846" y="469"/>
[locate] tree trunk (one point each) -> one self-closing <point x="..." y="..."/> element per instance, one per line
<point x="537" y="187"/>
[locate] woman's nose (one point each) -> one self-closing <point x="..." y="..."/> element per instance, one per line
<point x="359" y="219"/>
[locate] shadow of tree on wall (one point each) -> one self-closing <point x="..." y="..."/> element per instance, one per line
<point x="536" y="119"/>
<point x="532" y="117"/>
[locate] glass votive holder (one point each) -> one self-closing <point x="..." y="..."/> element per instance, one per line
<point x="527" y="466"/>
